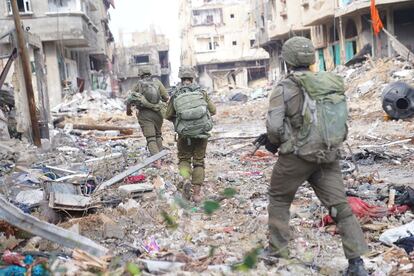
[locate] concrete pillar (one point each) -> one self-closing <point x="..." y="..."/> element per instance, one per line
<point x="84" y="69"/>
<point x="342" y="40"/>
<point x="52" y="77"/>
<point x="390" y="28"/>
<point x="241" y="78"/>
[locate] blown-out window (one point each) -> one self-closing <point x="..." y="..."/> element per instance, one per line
<point x="23" y="5"/>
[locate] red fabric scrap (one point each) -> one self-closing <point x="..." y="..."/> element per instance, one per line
<point x="135" y="179"/>
<point x="12" y="258"/>
<point x="360" y="209"/>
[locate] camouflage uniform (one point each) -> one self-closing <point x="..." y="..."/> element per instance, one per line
<point x="290" y="172"/>
<point x="150" y="118"/>
<point x="191" y="151"/>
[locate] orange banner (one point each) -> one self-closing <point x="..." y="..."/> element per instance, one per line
<point x="376" y="20"/>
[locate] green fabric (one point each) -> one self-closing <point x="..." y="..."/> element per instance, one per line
<point x="151" y="125"/>
<point x="193" y="118"/>
<point x="191" y="155"/>
<point x="325" y="115"/>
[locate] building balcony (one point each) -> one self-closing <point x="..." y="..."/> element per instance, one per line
<point x="317" y="12"/>
<point x="73" y="29"/>
<point x="347" y="7"/>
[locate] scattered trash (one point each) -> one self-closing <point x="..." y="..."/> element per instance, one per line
<point x="390" y="236"/>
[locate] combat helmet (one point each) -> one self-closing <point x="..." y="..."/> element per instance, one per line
<point x="298" y="51"/>
<point x="144" y="71"/>
<point x="186" y="72"/>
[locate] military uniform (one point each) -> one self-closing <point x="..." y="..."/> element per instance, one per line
<point x="150" y="117"/>
<point x="291" y="171"/>
<point x="191" y="151"/>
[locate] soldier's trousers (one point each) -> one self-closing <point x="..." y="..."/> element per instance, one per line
<point x="151" y="124"/>
<point x="288" y="174"/>
<point x="191" y="154"/>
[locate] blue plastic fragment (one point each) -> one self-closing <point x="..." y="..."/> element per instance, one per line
<point x="14" y="270"/>
<point x="28" y="259"/>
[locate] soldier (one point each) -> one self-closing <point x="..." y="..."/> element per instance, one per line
<point x="299" y="125"/>
<point x="190" y="109"/>
<point x="150" y="97"/>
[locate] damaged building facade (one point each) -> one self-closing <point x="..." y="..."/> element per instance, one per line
<point x="276" y="21"/>
<point x="139" y="50"/>
<point x="218" y="38"/>
<point x="338" y="29"/>
<point x="74" y="43"/>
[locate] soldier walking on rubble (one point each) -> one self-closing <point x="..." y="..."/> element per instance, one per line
<point x="190" y="109"/>
<point x="306" y="122"/>
<point x="150" y="97"/>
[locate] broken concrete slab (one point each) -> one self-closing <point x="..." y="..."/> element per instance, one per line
<point x="136" y="190"/>
<point x="161" y="266"/>
<point x="131" y="170"/>
<point x="111" y="229"/>
<point x="32" y="225"/>
<point x="30" y="197"/>
<point x="64" y="188"/>
<point x="69" y="202"/>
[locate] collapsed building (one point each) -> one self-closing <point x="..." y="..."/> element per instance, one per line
<point x="71" y="44"/>
<point x="218" y="38"/>
<point x="339" y="29"/>
<point x="139" y="50"/>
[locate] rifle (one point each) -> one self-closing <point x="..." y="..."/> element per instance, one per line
<point x="260" y="141"/>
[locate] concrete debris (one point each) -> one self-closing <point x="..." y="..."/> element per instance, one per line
<point x="32" y="225"/>
<point x="104" y="186"/>
<point x="129" y="205"/>
<point x="135" y="190"/>
<point x="132" y="170"/>
<point x="30" y="197"/>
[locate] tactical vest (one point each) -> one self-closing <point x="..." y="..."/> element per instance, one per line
<point x="324" y="117"/>
<point x="193" y="118"/>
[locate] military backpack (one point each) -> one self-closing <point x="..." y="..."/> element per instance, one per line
<point x="150" y="91"/>
<point x="193" y="118"/>
<point x="325" y="115"/>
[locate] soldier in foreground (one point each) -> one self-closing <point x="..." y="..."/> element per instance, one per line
<point x="150" y="97"/>
<point x="190" y="109"/>
<point x="306" y="123"/>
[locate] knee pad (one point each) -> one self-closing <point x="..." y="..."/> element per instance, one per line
<point x="340" y="212"/>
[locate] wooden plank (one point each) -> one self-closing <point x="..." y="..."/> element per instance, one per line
<point x="131" y="170"/>
<point x="30" y="224"/>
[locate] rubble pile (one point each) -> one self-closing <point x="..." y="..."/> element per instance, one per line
<point x="128" y="216"/>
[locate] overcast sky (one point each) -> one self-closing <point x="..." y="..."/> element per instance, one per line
<point x="138" y="15"/>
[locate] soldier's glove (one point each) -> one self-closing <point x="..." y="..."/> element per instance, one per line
<point x="271" y="147"/>
<point x="263" y="140"/>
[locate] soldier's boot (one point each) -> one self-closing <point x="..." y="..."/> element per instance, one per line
<point x="184" y="171"/>
<point x="196" y="194"/>
<point x="187" y="190"/>
<point x="356" y="268"/>
<point x="197" y="181"/>
<point x="159" y="143"/>
<point x="152" y="145"/>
